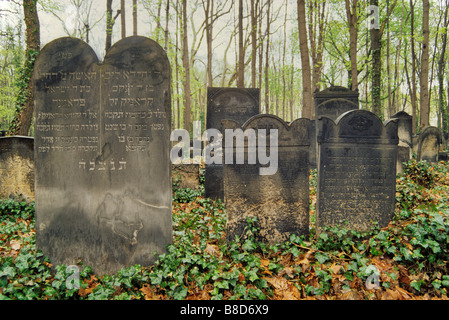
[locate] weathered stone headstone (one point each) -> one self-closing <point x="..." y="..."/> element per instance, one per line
<point x="429" y="142"/>
<point x="331" y="103"/>
<point x="238" y="104"/>
<point x="334" y="101"/>
<point x="280" y="200"/>
<point x="313" y="143"/>
<point x="17" y="167"/>
<point x="356" y="170"/>
<point x="102" y="138"/>
<point x="405" y="144"/>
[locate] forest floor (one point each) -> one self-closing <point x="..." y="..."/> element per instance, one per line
<point x="408" y="259"/>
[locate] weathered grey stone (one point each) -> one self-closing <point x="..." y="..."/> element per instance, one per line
<point x="429" y="142"/>
<point x="17" y="167"/>
<point x="334" y="101"/>
<point x="356" y="171"/>
<point x="102" y="138"/>
<point x="405" y="145"/>
<point x="238" y="104"/>
<point x="280" y="201"/>
<point x="331" y="103"/>
<point x="313" y="143"/>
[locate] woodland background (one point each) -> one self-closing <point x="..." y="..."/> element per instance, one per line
<point x="288" y="49"/>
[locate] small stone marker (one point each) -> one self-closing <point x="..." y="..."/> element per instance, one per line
<point x="238" y="104"/>
<point x="356" y="170"/>
<point x="405" y="145"/>
<point x="102" y="138"/>
<point x="429" y="142"/>
<point x="17" y="167"/>
<point x="280" y="200"/>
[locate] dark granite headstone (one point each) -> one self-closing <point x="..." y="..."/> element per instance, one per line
<point x="17" y="167"/>
<point x="102" y="138"/>
<point x="405" y="144"/>
<point x="429" y="142"/>
<point x="356" y="171"/>
<point x="279" y="200"/>
<point x="238" y="104"/>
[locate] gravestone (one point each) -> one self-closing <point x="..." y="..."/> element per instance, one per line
<point x="102" y="137"/>
<point x="280" y="199"/>
<point x="17" y="167"/>
<point x="356" y="170"/>
<point x="405" y="145"/>
<point x="332" y="102"/>
<point x="312" y="147"/>
<point x="238" y="104"/>
<point x="429" y="142"/>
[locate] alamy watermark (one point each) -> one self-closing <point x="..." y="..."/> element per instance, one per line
<point x="373" y="17"/>
<point x="373" y="273"/>
<point x="255" y="143"/>
<point x="73" y="279"/>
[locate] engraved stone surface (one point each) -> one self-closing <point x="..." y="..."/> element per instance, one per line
<point x="238" y="104"/>
<point x="103" y="174"/>
<point x="280" y="201"/>
<point x="356" y="170"/>
<point x="17" y="167"/>
<point x="429" y="142"/>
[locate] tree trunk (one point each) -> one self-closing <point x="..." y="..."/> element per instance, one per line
<point x="209" y="25"/>
<point x="376" y="71"/>
<point x="253" y="43"/>
<point x="186" y="65"/>
<point x="424" y="78"/>
<point x="307" y="108"/>
<point x="441" y="67"/>
<point x="267" y="64"/>
<point x="352" y="22"/>
<point x="167" y="18"/>
<point x="21" y="123"/>
<point x="390" y="104"/>
<point x="241" y="68"/>
<point x="413" y="75"/>
<point x="123" y="18"/>
<point x="283" y="69"/>
<point x="135" y="17"/>
<point x="110" y="21"/>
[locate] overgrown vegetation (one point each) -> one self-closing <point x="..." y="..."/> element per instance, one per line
<point x="405" y="260"/>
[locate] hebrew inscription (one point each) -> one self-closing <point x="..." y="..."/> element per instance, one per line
<point x="101" y="138"/>
<point x="279" y="200"/>
<point x="357" y="170"/>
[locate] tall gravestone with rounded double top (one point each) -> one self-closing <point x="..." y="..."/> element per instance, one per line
<point x="356" y="170"/>
<point x="274" y="190"/>
<point x="102" y="137"/>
